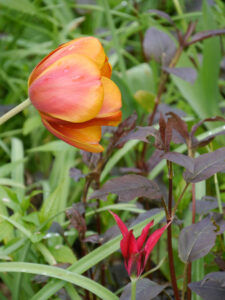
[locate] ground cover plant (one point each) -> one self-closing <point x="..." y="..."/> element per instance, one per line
<point x="99" y="204"/>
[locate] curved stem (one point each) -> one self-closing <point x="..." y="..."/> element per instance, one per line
<point x="15" y="111"/>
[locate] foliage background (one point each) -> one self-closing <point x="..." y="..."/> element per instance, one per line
<point x="35" y="188"/>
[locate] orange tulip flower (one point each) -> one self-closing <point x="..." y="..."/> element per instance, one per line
<point x="72" y="90"/>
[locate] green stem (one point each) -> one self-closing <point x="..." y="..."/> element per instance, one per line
<point x="180" y="12"/>
<point x="133" y="288"/>
<point x="185" y="281"/>
<point x="14" y="111"/>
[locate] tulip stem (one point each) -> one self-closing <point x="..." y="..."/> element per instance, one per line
<point x="15" y="111"/>
<point x="133" y="288"/>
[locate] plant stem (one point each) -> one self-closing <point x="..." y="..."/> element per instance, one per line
<point x="162" y="84"/>
<point x="169" y="234"/>
<point x="133" y="288"/>
<point x="193" y="203"/>
<point x="185" y="281"/>
<point x="15" y="111"/>
<point x="179" y="199"/>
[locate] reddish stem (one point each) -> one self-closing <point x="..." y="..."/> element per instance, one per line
<point x="169" y="234"/>
<point x="193" y="222"/>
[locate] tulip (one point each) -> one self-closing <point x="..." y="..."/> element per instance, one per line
<point x="136" y="252"/>
<point x="72" y="90"/>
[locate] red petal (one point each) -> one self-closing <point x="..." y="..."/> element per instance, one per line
<point x="129" y="250"/>
<point x="144" y="235"/>
<point x="152" y="241"/>
<point x="123" y="228"/>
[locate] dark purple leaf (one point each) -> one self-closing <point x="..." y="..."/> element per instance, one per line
<point x="76" y="174"/>
<point x="94" y="239"/>
<point x="146" y="215"/>
<point x="128" y="187"/>
<point x="140" y="133"/>
<point x="212" y="287"/>
<point x="145" y="290"/>
<point x="163" y="15"/>
<point x="153" y="161"/>
<point x="90" y="159"/>
<point x="187" y="74"/>
<point x="5" y="108"/>
<point x="195" y="241"/>
<point x="219" y="221"/>
<point x="196" y="5"/>
<point x="110" y="234"/>
<point x="56" y="228"/>
<point x="196" y="126"/>
<point x="220" y="262"/>
<point x="159" y="46"/>
<point x="164" y="109"/>
<point x="179" y="125"/>
<point x="205" y="205"/>
<point x="206" y="141"/>
<point x="130" y="170"/>
<point x="205" y="35"/>
<point x="206" y="165"/>
<point x="77" y="221"/>
<point x="123" y="130"/>
<point x="216" y="276"/>
<point x="180" y="159"/>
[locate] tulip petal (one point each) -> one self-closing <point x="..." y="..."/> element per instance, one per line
<point x="123" y="228"/>
<point x="113" y="120"/>
<point x="106" y="69"/>
<point x="88" y="46"/>
<point x="70" y="89"/>
<point x="152" y="241"/>
<point x="112" y="98"/>
<point x="83" y="138"/>
<point x="143" y="236"/>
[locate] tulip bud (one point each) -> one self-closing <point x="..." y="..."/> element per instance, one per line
<point x="72" y="90"/>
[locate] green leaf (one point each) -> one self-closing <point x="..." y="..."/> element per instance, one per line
<point x="17" y="153"/>
<point x="63" y="254"/>
<point x="93" y="258"/>
<point x="117" y="156"/>
<point x="63" y="275"/>
<point x="32" y="123"/>
<point x="54" y="146"/>
<point x="23" y="6"/>
<point x="140" y="78"/>
<point x="203" y="95"/>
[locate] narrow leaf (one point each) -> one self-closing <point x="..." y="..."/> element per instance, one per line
<point x="205" y="35"/>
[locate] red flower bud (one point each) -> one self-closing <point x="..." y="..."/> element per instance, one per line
<point x="72" y="90"/>
<point x="136" y="252"/>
